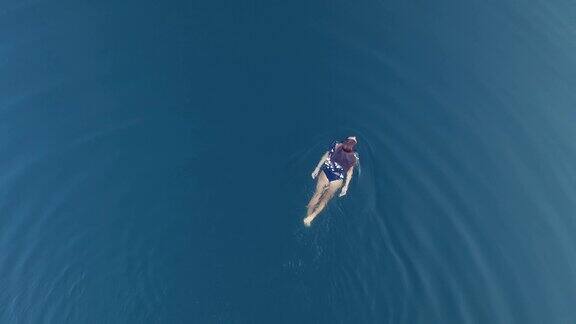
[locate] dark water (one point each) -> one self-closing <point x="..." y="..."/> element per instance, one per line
<point x="156" y="158"/>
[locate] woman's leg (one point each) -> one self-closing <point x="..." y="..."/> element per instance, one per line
<point x="321" y="186"/>
<point x="333" y="186"/>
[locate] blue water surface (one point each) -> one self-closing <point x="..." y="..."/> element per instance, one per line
<point x="156" y="157"/>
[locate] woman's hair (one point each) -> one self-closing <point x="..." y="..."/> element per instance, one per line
<point x="344" y="154"/>
<point x="348" y="145"/>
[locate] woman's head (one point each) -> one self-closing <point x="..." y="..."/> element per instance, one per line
<point x="344" y="154"/>
<point x="349" y="144"/>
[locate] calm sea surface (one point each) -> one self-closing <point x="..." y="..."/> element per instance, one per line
<point x="155" y="161"/>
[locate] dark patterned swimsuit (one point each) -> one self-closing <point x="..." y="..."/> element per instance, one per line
<point x="332" y="169"/>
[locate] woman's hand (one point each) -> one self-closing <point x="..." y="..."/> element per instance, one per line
<point x="315" y="173"/>
<point x="343" y="192"/>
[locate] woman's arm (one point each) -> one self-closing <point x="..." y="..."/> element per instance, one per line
<point x="348" y="178"/>
<point x="322" y="159"/>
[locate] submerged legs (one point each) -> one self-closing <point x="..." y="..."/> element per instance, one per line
<point x="321" y="198"/>
<point x="321" y="186"/>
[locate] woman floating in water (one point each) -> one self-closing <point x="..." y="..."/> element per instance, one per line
<point x="339" y="160"/>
